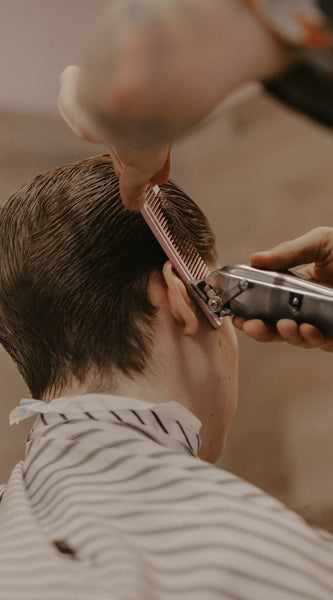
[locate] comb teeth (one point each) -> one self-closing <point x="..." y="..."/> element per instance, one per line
<point x="185" y="259"/>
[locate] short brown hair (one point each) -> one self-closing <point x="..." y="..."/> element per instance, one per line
<point x="74" y="268"/>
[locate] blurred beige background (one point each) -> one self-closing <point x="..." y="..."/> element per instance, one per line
<point x="262" y="174"/>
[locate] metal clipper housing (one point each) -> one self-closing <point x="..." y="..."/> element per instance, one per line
<point x="267" y="295"/>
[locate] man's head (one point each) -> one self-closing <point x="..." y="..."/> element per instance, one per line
<point x="89" y="302"/>
<point x="74" y="270"/>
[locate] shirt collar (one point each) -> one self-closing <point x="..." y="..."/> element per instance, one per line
<point x="168" y="421"/>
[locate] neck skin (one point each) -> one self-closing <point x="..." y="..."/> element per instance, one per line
<point x="196" y="369"/>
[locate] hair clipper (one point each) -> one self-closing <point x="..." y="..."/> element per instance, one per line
<point x="268" y="295"/>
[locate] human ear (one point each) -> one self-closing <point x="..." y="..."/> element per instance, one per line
<point x="179" y="302"/>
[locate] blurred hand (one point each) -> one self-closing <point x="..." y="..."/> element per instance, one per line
<point x="314" y="248"/>
<point x="154" y="70"/>
<point x="135" y="168"/>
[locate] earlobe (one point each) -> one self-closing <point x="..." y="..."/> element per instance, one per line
<point x="179" y="301"/>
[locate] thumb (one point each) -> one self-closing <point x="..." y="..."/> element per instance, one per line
<point x="71" y="110"/>
<point x="315" y="246"/>
<point x="133" y="180"/>
<point x="132" y="187"/>
<point x="163" y="174"/>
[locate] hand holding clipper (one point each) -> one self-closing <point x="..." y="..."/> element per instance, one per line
<point x="316" y="249"/>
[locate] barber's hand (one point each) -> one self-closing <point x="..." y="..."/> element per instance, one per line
<point x="136" y="169"/>
<point x="139" y="167"/>
<point x="151" y="73"/>
<point x="315" y="249"/>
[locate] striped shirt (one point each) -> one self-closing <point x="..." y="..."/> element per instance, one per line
<point x="112" y="502"/>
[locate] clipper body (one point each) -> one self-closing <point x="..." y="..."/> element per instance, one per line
<point x="267" y="295"/>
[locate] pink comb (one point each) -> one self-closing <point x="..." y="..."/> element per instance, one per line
<point x="190" y="268"/>
<point x="183" y="256"/>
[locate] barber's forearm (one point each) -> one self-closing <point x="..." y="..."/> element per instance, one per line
<point x="161" y="73"/>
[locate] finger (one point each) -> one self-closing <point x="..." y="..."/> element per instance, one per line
<point x="132" y="187"/>
<point x="132" y="183"/>
<point x="314" y="246"/>
<point x="256" y="329"/>
<point x="290" y="332"/>
<point x="163" y="174"/>
<point x="238" y="322"/>
<point x="312" y="335"/>
<point x="66" y="97"/>
<point x="70" y="109"/>
<point x="117" y="163"/>
<point x="316" y="338"/>
<point x="136" y="170"/>
<point x="259" y="331"/>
